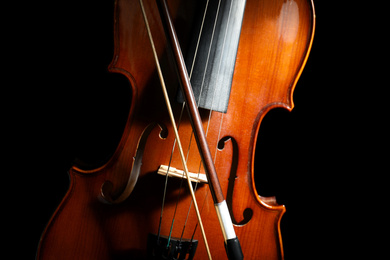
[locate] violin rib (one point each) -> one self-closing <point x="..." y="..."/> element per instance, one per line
<point x="275" y="41"/>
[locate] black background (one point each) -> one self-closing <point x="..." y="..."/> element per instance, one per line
<point x="321" y="160"/>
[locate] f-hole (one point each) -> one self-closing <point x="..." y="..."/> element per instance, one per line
<point x="107" y="189"/>
<point x="248" y="213"/>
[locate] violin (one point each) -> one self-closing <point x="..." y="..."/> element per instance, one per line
<point x="180" y="184"/>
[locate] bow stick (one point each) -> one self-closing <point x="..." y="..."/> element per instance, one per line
<point x="232" y="244"/>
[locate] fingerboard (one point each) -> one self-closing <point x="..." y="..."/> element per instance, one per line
<point x="212" y="53"/>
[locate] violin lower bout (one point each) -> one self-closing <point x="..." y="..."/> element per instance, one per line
<point x="84" y="227"/>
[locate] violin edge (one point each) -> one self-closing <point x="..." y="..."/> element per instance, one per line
<point x="270" y="203"/>
<point x="289" y="105"/>
<point x="303" y="65"/>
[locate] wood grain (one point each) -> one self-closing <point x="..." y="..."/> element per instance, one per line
<point x="274" y="45"/>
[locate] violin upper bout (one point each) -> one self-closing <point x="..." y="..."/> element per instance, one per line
<point x="275" y="42"/>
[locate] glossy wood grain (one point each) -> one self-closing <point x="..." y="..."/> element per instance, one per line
<point x="108" y="212"/>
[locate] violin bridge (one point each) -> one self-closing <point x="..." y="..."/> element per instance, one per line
<point x="173" y="172"/>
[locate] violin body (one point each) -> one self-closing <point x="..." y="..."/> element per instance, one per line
<point x="109" y="212"/>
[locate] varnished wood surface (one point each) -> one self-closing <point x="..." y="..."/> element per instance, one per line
<point x="274" y="44"/>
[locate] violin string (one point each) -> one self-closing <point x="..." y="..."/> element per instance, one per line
<point x="211" y="112"/>
<point x="208" y="124"/>
<point x="198" y="41"/>
<point x="181" y="113"/>
<point x="209" y="52"/>
<point x="166" y="97"/>
<point x="166" y="185"/>
<point x="219" y="70"/>
<point x="173" y="147"/>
